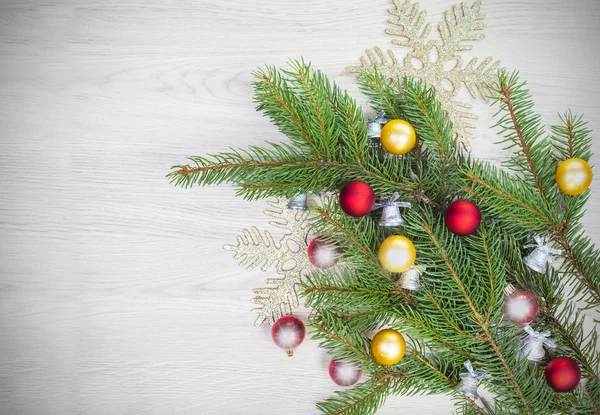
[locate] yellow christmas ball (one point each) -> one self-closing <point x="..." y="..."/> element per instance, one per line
<point x="388" y="347"/>
<point x="398" y="137"/>
<point x="574" y="176"/>
<point x="397" y="253"/>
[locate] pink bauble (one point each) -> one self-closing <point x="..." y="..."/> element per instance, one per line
<point x="344" y="374"/>
<point x="288" y="332"/>
<point x="521" y="307"/>
<point x="322" y="254"/>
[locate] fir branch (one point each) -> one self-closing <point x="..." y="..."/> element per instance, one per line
<point x="522" y="129"/>
<point x="363" y="399"/>
<point x="435" y="130"/>
<point x="572" y="138"/>
<point x="582" y="264"/>
<point x="510" y="199"/>
<point x="276" y="98"/>
<point x="381" y="93"/>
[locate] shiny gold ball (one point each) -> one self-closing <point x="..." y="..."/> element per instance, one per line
<point x="388" y="347"/>
<point x="397" y="253"/>
<point x="573" y="176"/>
<point x="398" y="137"/>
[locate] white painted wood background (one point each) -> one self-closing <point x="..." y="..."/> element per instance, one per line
<point x="115" y="294"/>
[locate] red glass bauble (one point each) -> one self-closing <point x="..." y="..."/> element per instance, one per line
<point x="288" y="333"/>
<point x="344" y="374"/>
<point x="462" y="217"/>
<point x="357" y="199"/>
<point x="563" y="374"/>
<point x="520" y="307"/>
<point x="322" y="254"/>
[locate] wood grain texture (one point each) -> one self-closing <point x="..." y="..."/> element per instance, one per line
<point x="115" y="294"/>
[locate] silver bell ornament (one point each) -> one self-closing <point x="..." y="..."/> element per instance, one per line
<point x="298" y="202"/>
<point x="391" y="211"/>
<point x="469" y="381"/>
<point x="410" y="279"/>
<point x="532" y="346"/>
<point x="541" y="256"/>
<point x="374" y="127"/>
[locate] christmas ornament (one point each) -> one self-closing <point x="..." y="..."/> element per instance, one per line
<point x="462" y="217"/>
<point x="298" y="202"/>
<point x="288" y="333"/>
<point x="344" y="374"/>
<point x="398" y="137"/>
<point x="374" y="129"/>
<point x="541" y="256"/>
<point x="573" y="176"/>
<point x="322" y="254"/>
<point x="391" y="212"/>
<point x="388" y="347"/>
<point x="563" y="374"/>
<point x="469" y="381"/>
<point x="253" y="249"/>
<point x="520" y="306"/>
<point x="357" y="199"/>
<point x="460" y="25"/>
<point x="532" y="345"/>
<point x="410" y="279"/>
<point x="397" y="253"/>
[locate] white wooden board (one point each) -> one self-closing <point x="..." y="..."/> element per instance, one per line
<point x="115" y="294"/>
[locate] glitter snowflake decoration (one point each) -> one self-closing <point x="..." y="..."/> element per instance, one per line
<point x="437" y="62"/>
<point x="289" y="257"/>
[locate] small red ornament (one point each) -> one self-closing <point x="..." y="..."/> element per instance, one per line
<point x="520" y="306"/>
<point x="462" y="217"/>
<point x="357" y="199"/>
<point x="322" y="254"/>
<point x="344" y="374"/>
<point x="563" y="374"/>
<point x="288" y="333"/>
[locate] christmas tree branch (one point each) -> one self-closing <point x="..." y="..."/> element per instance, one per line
<point x="582" y="261"/>
<point x="522" y="129"/>
<point x="381" y="94"/>
<point x="457" y="312"/>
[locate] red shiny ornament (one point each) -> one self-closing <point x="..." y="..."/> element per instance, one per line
<point x="563" y="374"/>
<point x="344" y="374"/>
<point x="462" y="217"/>
<point x="520" y="306"/>
<point x="357" y="199"/>
<point x="322" y="254"/>
<point x="288" y="333"/>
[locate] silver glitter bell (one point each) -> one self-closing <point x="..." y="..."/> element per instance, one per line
<point x="541" y="256"/>
<point x="470" y="381"/>
<point x="374" y="129"/>
<point x="410" y="279"/>
<point x="298" y="202"/>
<point x="391" y="212"/>
<point x="532" y="346"/>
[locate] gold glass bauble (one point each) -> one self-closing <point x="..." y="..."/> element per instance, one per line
<point x="574" y="176"/>
<point x="397" y="253"/>
<point x="398" y="137"/>
<point x="388" y="347"/>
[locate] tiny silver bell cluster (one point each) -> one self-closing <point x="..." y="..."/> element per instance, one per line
<point x="411" y="278"/>
<point x="532" y="346"/>
<point x="391" y="212"/>
<point x="541" y="256"/>
<point x="374" y="127"/>
<point x="298" y="202"/>
<point x="469" y="381"/>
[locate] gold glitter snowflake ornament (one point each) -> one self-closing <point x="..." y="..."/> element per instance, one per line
<point x="289" y="257"/>
<point x="437" y="62"/>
